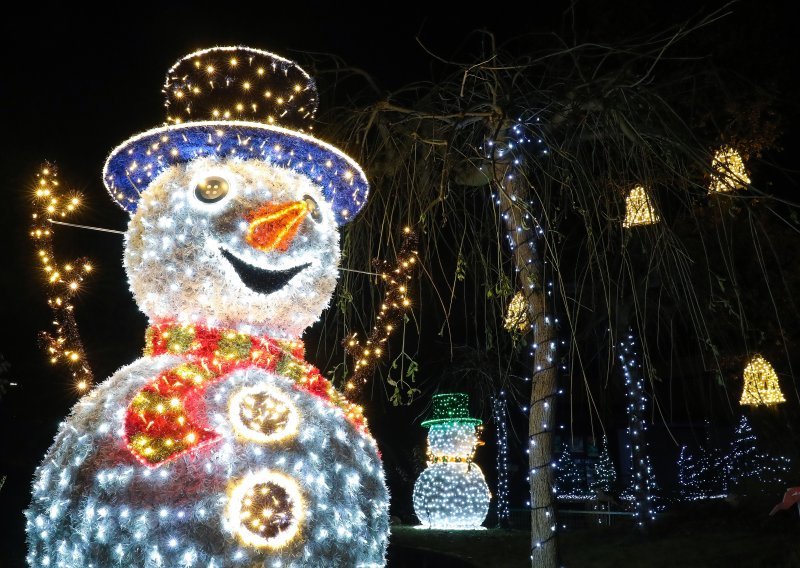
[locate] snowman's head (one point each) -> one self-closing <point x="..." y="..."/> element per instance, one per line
<point x="233" y="243"/>
<point x="235" y="206"/>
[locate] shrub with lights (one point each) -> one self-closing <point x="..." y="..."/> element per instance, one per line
<point x="221" y="446"/>
<point x="452" y="492"/>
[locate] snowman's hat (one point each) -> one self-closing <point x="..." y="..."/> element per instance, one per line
<point x="451" y="407"/>
<point x="237" y="102"/>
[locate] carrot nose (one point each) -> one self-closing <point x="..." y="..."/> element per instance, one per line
<point x="274" y="226"/>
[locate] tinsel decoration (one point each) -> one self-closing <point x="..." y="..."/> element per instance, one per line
<point x="63" y="279"/>
<point x="393" y="307"/>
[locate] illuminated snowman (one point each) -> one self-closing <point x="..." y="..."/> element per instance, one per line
<point x="221" y="446"/>
<point x="452" y="492"/>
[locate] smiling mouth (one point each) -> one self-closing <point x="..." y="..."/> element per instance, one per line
<point x="262" y="280"/>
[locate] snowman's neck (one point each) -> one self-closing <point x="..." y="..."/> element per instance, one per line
<point x="216" y="343"/>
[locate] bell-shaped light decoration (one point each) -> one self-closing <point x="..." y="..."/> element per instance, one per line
<point x="728" y="171"/>
<point x="639" y="209"/>
<point x="760" y="384"/>
<point x="517" y="314"/>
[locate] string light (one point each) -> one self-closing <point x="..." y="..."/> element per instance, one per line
<point x="642" y="483"/>
<point x="639" y="209"/>
<point x="745" y="462"/>
<point x="761" y="386"/>
<point x="728" y="171"/>
<point x="221" y="446"/>
<point x="500" y="414"/>
<point x="605" y="473"/>
<point x="701" y="478"/>
<point x="63" y="279"/>
<point x="394" y="306"/>
<point x="267" y="88"/>
<point x="570" y="483"/>
<point x="452" y="492"/>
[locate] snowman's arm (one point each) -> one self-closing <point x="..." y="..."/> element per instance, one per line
<point x="395" y="304"/>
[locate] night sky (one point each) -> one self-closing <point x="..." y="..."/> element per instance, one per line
<point x="71" y="91"/>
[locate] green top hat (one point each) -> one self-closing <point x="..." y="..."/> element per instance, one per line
<point x="451" y="407"/>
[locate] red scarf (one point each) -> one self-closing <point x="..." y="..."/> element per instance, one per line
<point x="162" y="421"/>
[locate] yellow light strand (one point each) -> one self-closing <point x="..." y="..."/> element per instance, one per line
<point x="639" y="209"/>
<point x="761" y="386"/>
<point x="63" y="280"/>
<point x="394" y="306"/>
<point x="728" y="171"/>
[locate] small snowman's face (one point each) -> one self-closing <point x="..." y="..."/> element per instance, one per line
<point x="235" y="244"/>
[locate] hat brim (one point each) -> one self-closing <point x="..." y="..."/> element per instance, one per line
<point x="475" y="421"/>
<point x="132" y="165"/>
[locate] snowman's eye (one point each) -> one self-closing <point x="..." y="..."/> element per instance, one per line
<point x="313" y="208"/>
<point x="211" y="189"/>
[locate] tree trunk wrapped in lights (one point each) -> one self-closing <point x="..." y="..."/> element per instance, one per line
<point x="500" y="419"/>
<point x="513" y="197"/>
<point x="641" y="482"/>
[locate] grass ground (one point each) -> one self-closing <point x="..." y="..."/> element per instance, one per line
<point x="695" y="538"/>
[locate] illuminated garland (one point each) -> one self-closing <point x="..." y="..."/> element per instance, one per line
<point x="639" y="209"/>
<point x="64" y="279"/>
<point x="761" y="386"/>
<point x="393" y="307"/>
<point x="728" y="171"/>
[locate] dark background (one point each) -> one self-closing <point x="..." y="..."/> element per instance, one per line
<point x="75" y="83"/>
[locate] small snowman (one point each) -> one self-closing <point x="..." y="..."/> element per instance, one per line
<point x="452" y="492"/>
<point x="221" y="446"/>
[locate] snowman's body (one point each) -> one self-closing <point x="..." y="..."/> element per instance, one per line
<point x="286" y="474"/>
<point x="451" y="493"/>
<point x="94" y="506"/>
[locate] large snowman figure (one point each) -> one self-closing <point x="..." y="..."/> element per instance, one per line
<point x="221" y="446"/>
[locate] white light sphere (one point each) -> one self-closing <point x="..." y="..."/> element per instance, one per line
<point x="451" y="496"/>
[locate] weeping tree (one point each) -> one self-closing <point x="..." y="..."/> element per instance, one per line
<point x="516" y="164"/>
